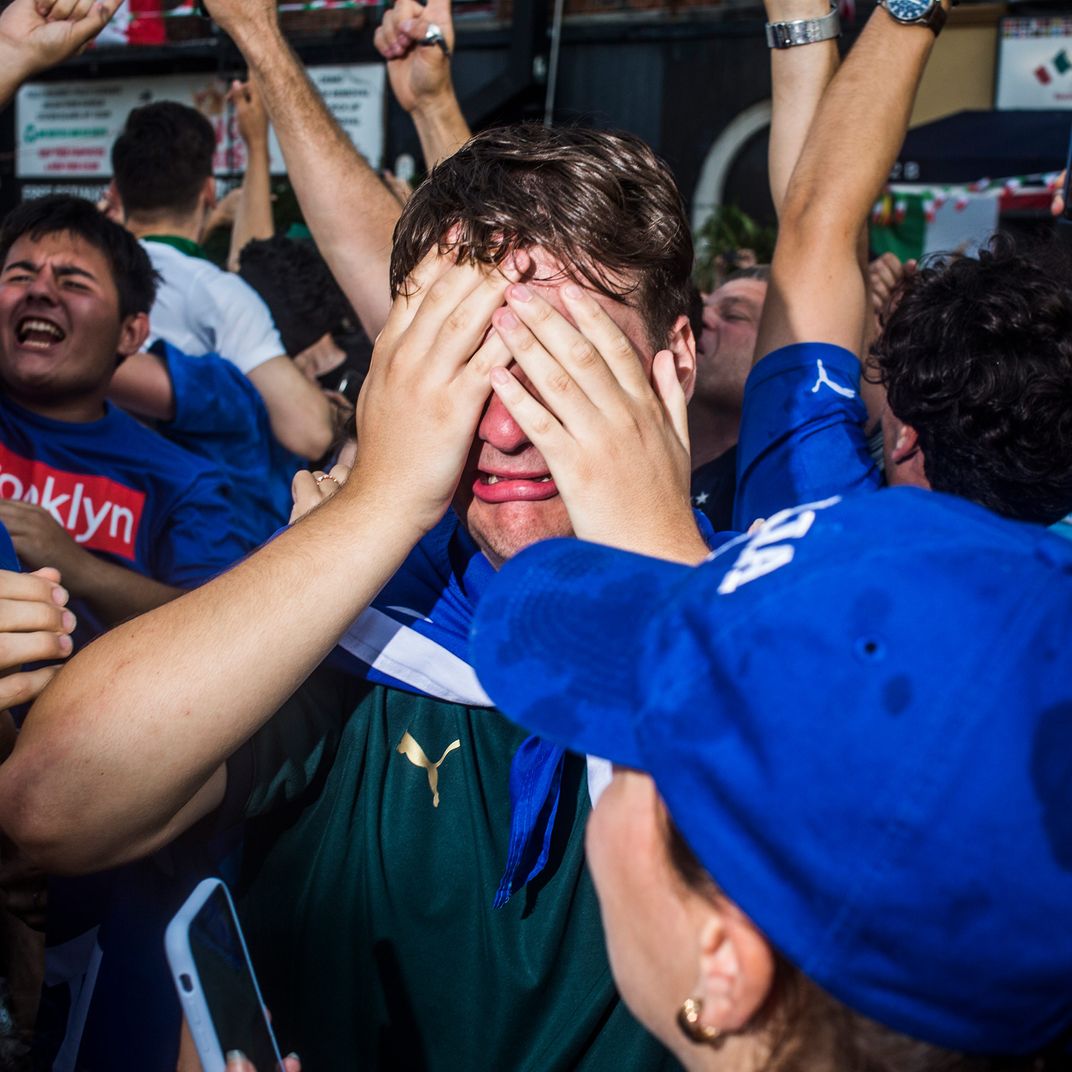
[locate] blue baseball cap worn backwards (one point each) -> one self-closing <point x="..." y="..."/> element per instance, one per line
<point x="860" y="718"/>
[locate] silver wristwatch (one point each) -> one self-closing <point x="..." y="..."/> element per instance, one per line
<point x="804" y="31"/>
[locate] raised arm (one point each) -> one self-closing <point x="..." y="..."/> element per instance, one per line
<point x="253" y="216"/>
<point x="817" y="290"/>
<point x="420" y="75"/>
<point x="799" y="77"/>
<point x="152" y="709"/>
<point x="38" y="34"/>
<point x="348" y="209"/>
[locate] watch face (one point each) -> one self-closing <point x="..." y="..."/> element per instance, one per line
<point x="908" y="10"/>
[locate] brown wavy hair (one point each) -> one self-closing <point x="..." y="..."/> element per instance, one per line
<point x="602" y="204"/>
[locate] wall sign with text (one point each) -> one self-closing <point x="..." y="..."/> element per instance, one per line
<point x="67" y="128"/>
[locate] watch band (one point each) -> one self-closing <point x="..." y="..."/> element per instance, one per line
<point x="933" y="18"/>
<point x="804" y="31"/>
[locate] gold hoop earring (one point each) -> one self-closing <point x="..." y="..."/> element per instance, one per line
<point x="688" y="1019"/>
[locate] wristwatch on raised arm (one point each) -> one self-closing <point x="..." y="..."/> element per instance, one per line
<point x="929" y="13"/>
<point x="804" y="31"/>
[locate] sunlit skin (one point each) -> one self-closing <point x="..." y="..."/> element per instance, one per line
<point x="667" y="941"/>
<point x="60" y="330"/>
<point x="726" y="345"/>
<point x="503" y="497"/>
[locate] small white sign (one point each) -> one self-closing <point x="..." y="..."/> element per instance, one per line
<point x="67" y="128"/>
<point x="1035" y="63"/>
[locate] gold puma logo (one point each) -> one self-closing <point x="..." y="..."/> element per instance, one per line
<point x="409" y="748"/>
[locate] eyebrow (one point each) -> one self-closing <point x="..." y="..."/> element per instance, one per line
<point x="60" y="270"/>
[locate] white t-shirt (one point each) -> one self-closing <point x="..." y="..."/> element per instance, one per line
<point x="202" y="309"/>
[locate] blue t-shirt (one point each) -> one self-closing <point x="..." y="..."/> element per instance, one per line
<point x="802" y="432"/>
<point x="121" y="491"/>
<point x="220" y="416"/>
<point x="8" y="559"/>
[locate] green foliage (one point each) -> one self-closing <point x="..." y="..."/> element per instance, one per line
<point x="728" y="230"/>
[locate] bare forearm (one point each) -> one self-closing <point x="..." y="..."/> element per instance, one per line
<point x="349" y="211"/>
<point x="253" y="218"/>
<point x="14" y="70"/>
<point x="817" y="288"/>
<point x="799" y="77"/>
<point x="153" y="708"/>
<point x="142" y="386"/>
<point x="116" y="594"/>
<point x="441" y="128"/>
<point x="858" y="131"/>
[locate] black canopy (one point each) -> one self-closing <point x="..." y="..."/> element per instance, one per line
<point x="968" y="146"/>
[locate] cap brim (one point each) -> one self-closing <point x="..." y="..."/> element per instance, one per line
<point x="558" y="642"/>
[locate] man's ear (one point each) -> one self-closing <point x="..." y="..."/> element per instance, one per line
<point x="905" y="444"/>
<point x="133" y="332"/>
<point x="208" y="193"/>
<point x="681" y="342"/>
<point x="736" y="969"/>
<point x="114" y="203"/>
<point x="906" y="458"/>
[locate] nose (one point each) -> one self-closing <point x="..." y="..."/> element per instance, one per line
<point x="42" y="287"/>
<point x="710" y="317"/>
<point x="500" y="430"/>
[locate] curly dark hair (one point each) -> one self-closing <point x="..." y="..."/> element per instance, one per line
<point x="132" y="271"/>
<point x="299" y="289"/>
<point x="163" y="157"/>
<point x="602" y="204"/>
<point x="976" y="356"/>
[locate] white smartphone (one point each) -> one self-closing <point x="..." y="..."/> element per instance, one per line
<point x="214" y="978"/>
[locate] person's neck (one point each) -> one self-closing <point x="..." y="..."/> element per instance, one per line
<point x="712" y="431"/>
<point x="744" y="1052"/>
<point x="77" y="410"/>
<point x="188" y="227"/>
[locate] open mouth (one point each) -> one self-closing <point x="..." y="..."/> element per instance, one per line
<point x="37" y="333"/>
<point x="514" y="487"/>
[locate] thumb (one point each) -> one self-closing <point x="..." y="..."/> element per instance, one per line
<point x="85" y="29"/>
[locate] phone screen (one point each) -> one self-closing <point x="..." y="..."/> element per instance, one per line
<point x="228" y="985"/>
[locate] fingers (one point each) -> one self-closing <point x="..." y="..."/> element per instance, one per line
<point x="25" y="686"/>
<point x="59" y="10"/>
<point x="237" y="1061"/>
<point x="43" y="646"/>
<point x="310" y="489"/>
<point x="42" y="586"/>
<point x="453" y="318"/>
<point x="406" y="305"/>
<point x="596" y="324"/>
<point x="671" y="393"/>
<point x="595" y="356"/>
<point x="1057" y="205"/>
<point x="404" y="26"/>
<point x="540" y="426"/>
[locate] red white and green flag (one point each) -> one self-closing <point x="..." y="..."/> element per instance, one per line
<point x="1054" y="68"/>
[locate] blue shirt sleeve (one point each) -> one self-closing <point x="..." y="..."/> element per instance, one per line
<point x="8" y="559"/>
<point x="802" y="432"/>
<point x="200" y="539"/>
<point x="212" y="399"/>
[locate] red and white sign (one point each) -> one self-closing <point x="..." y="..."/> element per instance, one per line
<point x="101" y="514"/>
